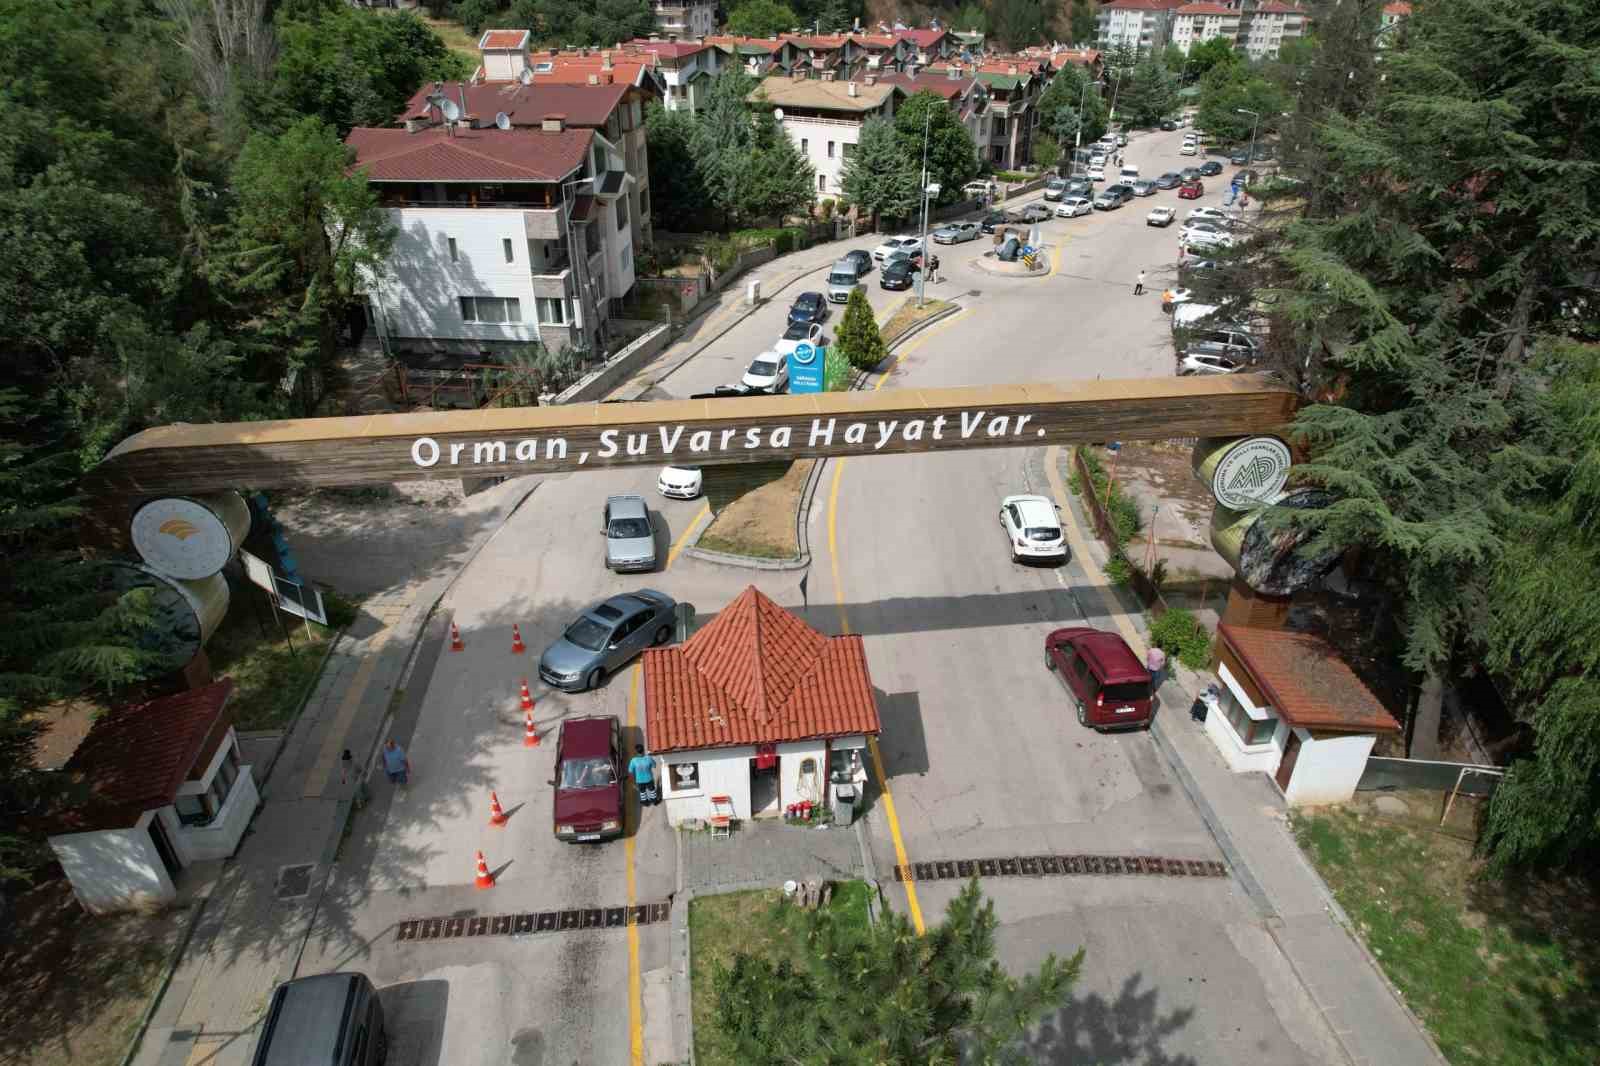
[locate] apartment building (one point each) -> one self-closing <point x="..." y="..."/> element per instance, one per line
<point x="1014" y="85"/>
<point x="823" y="116"/>
<point x="1142" y="24"/>
<point x="759" y="56"/>
<point x="883" y="53"/>
<point x="834" y="54"/>
<point x="686" y="69"/>
<point x="503" y="236"/>
<point x="927" y="45"/>
<point x="1195" y="23"/>
<point x="1265" y="26"/>
<point x="685" y="18"/>
<point x="965" y="94"/>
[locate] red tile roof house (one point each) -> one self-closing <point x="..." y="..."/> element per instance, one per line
<point x="760" y="708"/>
<point x="1292" y="709"/>
<point x="929" y="44"/>
<point x="163" y="788"/>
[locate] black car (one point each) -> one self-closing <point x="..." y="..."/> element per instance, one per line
<point x="1169" y="180"/>
<point x="809" y="307"/>
<point x="1122" y="191"/>
<point x="899" y="274"/>
<point x="861" y="258"/>
<point x="991" y="220"/>
<point x="1168" y="125"/>
<point x="1239" y="157"/>
<point x="1210" y="168"/>
<point x="1078" y="187"/>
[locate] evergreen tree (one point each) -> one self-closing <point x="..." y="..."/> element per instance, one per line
<point x="1046" y="151"/>
<point x="762" y="18"/>
<point x="858" y="337"/>
<point x="678" y="194"/>
<point x="952" y="156"/>
<point x="723" y="139"/>
<point x="1072" y="93"/>
<point x="972" y="16"/>
<point x="1083" y="23"/>
<point x="884" y="995"/>
<point x="1020" y="23"/>
<point x="1148" y="92"/>
<point x="779" y="181"/>
<point x="877" y="177"/>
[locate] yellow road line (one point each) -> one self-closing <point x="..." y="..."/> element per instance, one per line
<point x="1055" y="259"/>
<point x="683" y="541"/>
<point x="635" y="996"/>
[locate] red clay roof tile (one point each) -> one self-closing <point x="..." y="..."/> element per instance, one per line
<point x="136" y="757"/>
<point x="756" y="675"/>
<point x="468" y="155"/>
<point x="1306" y="680"/>
<point x="504" y="40"/>
<point x="583" y="105"/>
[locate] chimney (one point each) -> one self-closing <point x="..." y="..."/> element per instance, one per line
<point x="553" y="123"/>
<point x="594" y="79"/>
<point x="853" y="90"/>
<point x="605" y="60"/>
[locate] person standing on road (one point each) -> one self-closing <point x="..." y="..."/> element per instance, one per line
<point x="643" y="769"/>
<point x="1155" y="660"/>
<point x="395" y="763"/>
<point x="1138" y="284"/>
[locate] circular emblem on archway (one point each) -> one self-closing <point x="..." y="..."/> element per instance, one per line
<point x="190" y="537"/>
<point x="1246" y="473"/>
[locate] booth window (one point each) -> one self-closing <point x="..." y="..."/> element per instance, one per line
<point x="683" y="776"/>
<point x="202" y="808"/>
<point x="1249" y="730"/>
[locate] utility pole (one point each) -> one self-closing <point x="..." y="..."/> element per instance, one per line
<point x="1253" y="129"/>
<point x="927" y="255"/>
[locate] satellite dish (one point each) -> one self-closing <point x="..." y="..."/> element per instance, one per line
<point x="525" y="76"/>
<point x="451" y="109"/>
<point x="503" y="120"/>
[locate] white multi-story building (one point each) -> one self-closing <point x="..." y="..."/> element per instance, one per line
<point x="823" y="117"/>
<point x="1142" y="24"/>
<point x="1266" y="26"/>
<point x="1198" y="22"/>
<point x="686" y="69"/>
<point x="503" y="237"/>
<point x="685" y="18"/>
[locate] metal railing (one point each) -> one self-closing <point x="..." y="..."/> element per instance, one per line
<point x="506" y="205"/>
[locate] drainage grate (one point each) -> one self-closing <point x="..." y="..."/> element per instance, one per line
<point x="516" y="925"/>
<point x="294" y="882"/>
<point x="1058" y="866"/>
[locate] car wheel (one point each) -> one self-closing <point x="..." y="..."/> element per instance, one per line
<point x="1083" y="717"/>
<point x="1049" y="663"/>
<point x="596" y="676"/>
<point x="663" y="634"/>
<point x="1016" y="558"/>
<point x="381" y="1048"/>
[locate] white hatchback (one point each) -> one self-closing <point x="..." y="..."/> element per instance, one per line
<point x="679" y="482"/>
<point x="1033" y="528"/>
<point x="896" y="244"/>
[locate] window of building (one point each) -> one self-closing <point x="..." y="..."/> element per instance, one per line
<point x="805" y="145"/>
<point x="552" y="311"/>
<point x="1248" y="730"/>
<point x="491" y="309"/>
<point x="202" y="808"/>
<point x="644" y="202"/>
<point x="622" y="212"/>
<point x="847" y="150"/>
<point x="683" y="776"/>
<point x="830" y="149"/>
<point x="627" y="259"/>
<point x="454" y="255"/>
<point x="822" y="183"/>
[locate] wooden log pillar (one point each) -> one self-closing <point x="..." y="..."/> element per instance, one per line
<point x="1247" y="607"/>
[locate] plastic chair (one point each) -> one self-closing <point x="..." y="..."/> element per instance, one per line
<point x="722" y="813"/>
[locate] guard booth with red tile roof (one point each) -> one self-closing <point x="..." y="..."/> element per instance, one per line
<point x="160" y="785"/>
<point x="759" y="707"/>
<point x="1292" y="709"/>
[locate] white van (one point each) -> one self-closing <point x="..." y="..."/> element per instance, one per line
<point x="1129" y="173"/>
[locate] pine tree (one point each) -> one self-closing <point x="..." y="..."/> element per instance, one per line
<point x="885" y="996"/>
<point x="858" y="337"/>
<point x="778" y="181"/>
<point x="877" y="178"/>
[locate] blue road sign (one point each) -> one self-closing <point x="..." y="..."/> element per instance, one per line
<point x="805" y="367"/>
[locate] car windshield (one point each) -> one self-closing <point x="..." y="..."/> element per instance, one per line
<point x="587" y="773"/>
<point x="628" y="528"/>
<point x="798" y="331"/>
<point x="1127" y="690"/>
<point x="761" y="368"/>
<point x="587" y="634"/>
<point x="1044" y="534"/>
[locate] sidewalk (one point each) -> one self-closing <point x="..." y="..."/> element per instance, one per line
<point x="1247" y="815"/>
<point x="261" y="904"/>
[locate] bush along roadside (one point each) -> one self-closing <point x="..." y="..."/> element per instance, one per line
<point x="1181" y="636"/>
<point x="1121" y="508"/>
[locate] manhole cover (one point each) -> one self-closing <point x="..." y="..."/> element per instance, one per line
<point x="294" y="882"/>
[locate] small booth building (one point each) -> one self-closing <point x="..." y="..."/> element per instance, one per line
<point x="1292" y="709"/>
<point x="756" y="712"/>
<point x="163" y="788"/>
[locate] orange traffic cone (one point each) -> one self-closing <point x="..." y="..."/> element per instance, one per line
<point x="485" y="879"/>
<point x="530" y="739"/>
<point x="455" y="639"/>
<point x="497" y="814"/>
<point x="527" y="697"/>
<point x="517" y="647"/>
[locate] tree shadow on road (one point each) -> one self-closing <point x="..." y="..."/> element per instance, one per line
<point x="1107" y="1032"/>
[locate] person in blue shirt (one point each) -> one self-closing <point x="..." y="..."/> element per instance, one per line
<point x="395" y="763"/>
<point x="643" y="769"/>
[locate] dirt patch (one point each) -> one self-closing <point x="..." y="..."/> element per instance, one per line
<point x="757" y="521"/>
<point x="77" y="985"/>
<point x="1158" y="472"/>
<point x="908" y="314"/>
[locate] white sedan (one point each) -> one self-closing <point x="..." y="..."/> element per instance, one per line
<point x="679" y="482"/>
<point x="1197" y="363"/>
<point x="807" y="332"/>
<point x="1160" y="216"/>
<point x="1097" y="173"/>
<point x="769" y="372"/>
<point x="1205" y="238"/>
<point x="1033" y="528"/>
<point x="1187" y="149"/>
<point x="1214" y="213"/>
<point x="1073" y="206"/>
<point x="897" y="244"/>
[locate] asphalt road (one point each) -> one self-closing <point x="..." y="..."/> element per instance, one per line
<point x="982" y="754"/>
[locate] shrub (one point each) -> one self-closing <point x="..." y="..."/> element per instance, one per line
<point x="858" y="335"/>
<point x="341" y="612"/>
<point x="837" y="373"/>
<point x="1181" y="636"/>
<point x="1118" y="569"/>
<point x="828" y="204"/>
<point x="1120" y="507"/>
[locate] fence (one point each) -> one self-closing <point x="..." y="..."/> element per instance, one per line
<point x="601" y="380"/>
<point x="1382" y="773"/>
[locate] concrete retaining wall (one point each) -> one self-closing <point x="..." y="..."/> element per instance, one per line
<point x="595" y="384"/>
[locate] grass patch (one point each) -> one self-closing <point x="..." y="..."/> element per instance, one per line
<point x="756" y="923"/>
<point x="1501" y="973"/>
<point x="270" y="675"/>
<point x="909" y="314"/>
<point x="756" y="509"/>
<point x="455" y="37"/>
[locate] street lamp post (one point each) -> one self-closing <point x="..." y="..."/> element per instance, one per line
<point x="1253" y="129"/>
<point x="1111" y="119"/>
<point x="927" y="256"/>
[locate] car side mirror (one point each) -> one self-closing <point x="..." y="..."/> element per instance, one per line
<point x="614" y="645"/>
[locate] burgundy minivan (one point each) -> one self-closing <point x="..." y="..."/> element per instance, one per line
<point x="1102" y="674"/>
<point x="588" y="800"/>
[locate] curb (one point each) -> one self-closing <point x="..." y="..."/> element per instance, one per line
<point x="305" y="698"/>
<point x="173" y="959"/>
<point x="748" y="562"/>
